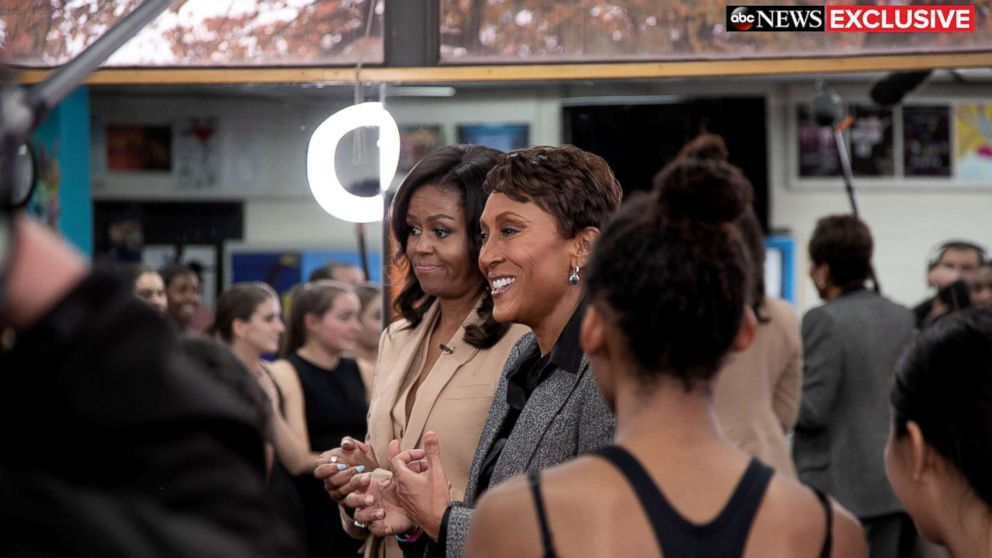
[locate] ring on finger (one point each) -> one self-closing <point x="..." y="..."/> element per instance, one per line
<point x="334" y="459"/>
<point x="361" y="525"/>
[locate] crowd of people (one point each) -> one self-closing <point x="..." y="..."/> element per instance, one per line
<point x="563" y="375"/>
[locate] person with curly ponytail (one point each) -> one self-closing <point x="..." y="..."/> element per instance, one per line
<point x="669" y="293"/>
<point x="439" y="361"/>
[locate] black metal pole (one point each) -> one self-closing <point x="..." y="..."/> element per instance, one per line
<point x="42" y="97"/>
<point x="846" y="171"/>
<point x="363" y="253"/>
<point x="848" y="174"/>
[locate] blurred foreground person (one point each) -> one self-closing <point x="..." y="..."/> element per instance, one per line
<point x="116" y="442"/>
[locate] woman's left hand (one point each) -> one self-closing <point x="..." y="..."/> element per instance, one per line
<point x="421" y="484"/>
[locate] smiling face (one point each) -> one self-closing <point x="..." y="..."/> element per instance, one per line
<point x="262" y="330"/>
<point x="438" y="244"/>
<point x="337" y="330"/>
<point x="183" y="295"/>
<point x="525" y="260"/>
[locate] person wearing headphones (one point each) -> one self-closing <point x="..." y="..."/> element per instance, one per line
<point x="951" y="269"/>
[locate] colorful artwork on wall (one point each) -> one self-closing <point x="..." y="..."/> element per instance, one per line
<point x="973" y="153"/>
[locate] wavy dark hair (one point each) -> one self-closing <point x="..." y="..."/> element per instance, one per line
<point x="671" y="272"/>
<point x="462" y="169"/>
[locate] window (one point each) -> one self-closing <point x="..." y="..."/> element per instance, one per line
<point x="522" y="31"/>
<point x="45" y="33"/>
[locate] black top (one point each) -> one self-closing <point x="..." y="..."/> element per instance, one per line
<point x="723" y="537"/>
<point x="334" y="401"/>
<point x="533" y="369"/>
<point x="335" y="407"/>
<point x="117" y="443"/>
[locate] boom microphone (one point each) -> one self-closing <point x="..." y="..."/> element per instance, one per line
<point x="891" y="89"/>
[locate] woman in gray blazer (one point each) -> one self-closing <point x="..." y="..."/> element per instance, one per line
<point x="543" y="214"/>
<point x="851" y="344"/>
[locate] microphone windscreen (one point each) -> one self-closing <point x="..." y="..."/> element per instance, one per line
<point x="891" y="89"/>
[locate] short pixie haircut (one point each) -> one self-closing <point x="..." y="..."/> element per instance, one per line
<point x="844" y="243"/>
<point x="586" y="194"/>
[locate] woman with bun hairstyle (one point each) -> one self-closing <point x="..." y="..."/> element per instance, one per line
<point x="939" y="454"/>
<point x="669" y="297"/>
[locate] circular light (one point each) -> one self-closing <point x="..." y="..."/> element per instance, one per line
<point x="322" y="174"/>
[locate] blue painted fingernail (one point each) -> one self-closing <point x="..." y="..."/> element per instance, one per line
<point x="342" y="466"/>
<point x="360" y="468"/>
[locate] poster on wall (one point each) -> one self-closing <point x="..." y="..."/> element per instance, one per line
<point x="973" y="155"/>
<point x="504" y="137"/>
<point x="817" y="152"/>
<point x="415" y="142"/>
<point x="139" y="148"/>
<point x="870" y="139"/>
<point x="926" y="132"/>
<point x="198" y="155"/>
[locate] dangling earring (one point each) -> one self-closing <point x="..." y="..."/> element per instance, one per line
<point x="573" y="279"/>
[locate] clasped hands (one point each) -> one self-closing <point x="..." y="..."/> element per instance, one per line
<point x="413" y="493"/>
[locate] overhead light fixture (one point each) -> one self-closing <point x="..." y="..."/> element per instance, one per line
<point x="420" y="91"/>
<point x="322" y="172"/>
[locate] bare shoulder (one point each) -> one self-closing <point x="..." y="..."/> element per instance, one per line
<point x="848" y="536"/>
<point x="284" y="373"/>
<point x="504" y="524"/>
<point x="794" y="510"/>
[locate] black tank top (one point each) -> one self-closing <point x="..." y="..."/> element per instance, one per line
<point x="335" y="407"/>
<point x="723" y="537"/>
<point x="334" y="401"/>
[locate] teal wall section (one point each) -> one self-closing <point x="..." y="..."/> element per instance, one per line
<point x="65" y="134"/>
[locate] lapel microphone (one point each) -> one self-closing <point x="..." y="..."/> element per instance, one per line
<point x="446" y="348"/>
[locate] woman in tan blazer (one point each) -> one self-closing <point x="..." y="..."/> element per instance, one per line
<point x="756" y="395"/>
<point x="439" y="363"/>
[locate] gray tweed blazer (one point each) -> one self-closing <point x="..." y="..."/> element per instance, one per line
<point x="851" y="346"/>
<point x="564" y="417"/>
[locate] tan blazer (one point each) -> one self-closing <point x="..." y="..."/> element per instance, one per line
<point x="757" y="391"/>
<point x="453" y="399"/>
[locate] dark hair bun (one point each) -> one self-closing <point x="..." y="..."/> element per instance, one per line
<point x="706" y="190"/>
<point x="705" y="146"/>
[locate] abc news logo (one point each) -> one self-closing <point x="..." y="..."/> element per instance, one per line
<point x="775" y="18"/>
<point x="865" y="18"/>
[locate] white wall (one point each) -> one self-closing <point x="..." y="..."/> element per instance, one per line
<point x="269" y="137"/>
<point x="906" y="220"/>
<point x="262" y="144"/>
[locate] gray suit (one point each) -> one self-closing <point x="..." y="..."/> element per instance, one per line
<point x="851" y="346"/>
<point x="564" y="417"/>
